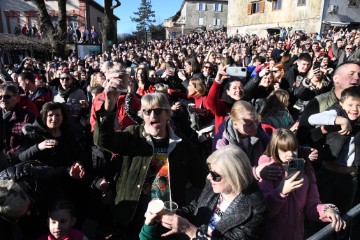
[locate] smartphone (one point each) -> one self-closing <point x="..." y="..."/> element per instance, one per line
<point x="316" y="65"/>
<point x="296" y="165"/>
<point x="266" y="64"/>
<point x="236" y="71"/>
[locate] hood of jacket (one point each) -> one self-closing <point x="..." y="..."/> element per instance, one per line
<point x="34" y="128"/>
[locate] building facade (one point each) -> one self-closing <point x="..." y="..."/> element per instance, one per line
<point x="258" y="17"/>
<point x="14" y="14"/>
<point x="197" y="15"/>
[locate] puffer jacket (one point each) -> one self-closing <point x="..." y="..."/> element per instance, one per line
<point x="71" y="147"/>
<point x="243" y="219"/>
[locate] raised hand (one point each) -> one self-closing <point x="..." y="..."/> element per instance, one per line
<point x="77" y="171"/>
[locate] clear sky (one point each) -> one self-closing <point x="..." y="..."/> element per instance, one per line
<point x="163" y="10"/>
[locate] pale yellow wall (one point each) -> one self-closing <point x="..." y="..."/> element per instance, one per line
<point x="304" y="17"/>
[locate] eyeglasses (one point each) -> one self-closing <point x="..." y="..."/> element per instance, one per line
<point x="348" y="48"/>
<point x="207" y="67"/>
<point x="6" y="97"/>
<point x="157" y="111"/>
<point x="215" y="176"/>
<point x="65" y="78"/>
<point x="275" y="71"/>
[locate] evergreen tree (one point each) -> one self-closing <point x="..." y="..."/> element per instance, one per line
<point x="145" y="17"/>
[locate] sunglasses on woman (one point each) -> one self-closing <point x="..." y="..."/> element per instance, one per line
<point x="215" y="176"/>
<point x="157" y="111"/>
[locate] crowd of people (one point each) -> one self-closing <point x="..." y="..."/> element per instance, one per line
<point x="252" y="138"/>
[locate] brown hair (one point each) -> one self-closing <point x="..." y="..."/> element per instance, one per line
<point x="282" y="139"/>
<point x="199" y="85"/>
<point x="275" y="101"/>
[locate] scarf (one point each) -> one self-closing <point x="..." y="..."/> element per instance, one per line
<point x="64" y="93"/>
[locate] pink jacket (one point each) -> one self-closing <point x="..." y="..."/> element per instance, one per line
<point x="286" y="213"/>
<point x="73" y="235"/>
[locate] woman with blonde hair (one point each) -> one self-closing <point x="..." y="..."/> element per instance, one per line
<point x="229" y="207"/>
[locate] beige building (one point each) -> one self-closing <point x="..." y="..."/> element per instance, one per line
<point x="197" y="15"/>
<point x="261" y="17"/>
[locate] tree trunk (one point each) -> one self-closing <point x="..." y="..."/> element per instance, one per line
<point x="107" y="26"/>
<point x="56" y="36"/>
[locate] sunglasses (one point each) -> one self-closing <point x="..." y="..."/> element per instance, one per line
<point x="348" y="48"/>
<point x="6" y="97"/>
<point x="215" y="176"/>
<point x="65" y="78"/>
<point x="157" y="111"/>
<point x="207" y="67"/>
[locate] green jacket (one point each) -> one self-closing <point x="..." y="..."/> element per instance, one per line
<point x="136" y="149"/>
<point x="149" y="232"/>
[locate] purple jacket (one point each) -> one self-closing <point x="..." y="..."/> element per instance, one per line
<point x="286" y="213"/>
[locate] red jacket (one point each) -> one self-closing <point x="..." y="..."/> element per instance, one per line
<point x="216" y="105"/>
<point x="122" y="117"/>
<point x="26" y="103"/>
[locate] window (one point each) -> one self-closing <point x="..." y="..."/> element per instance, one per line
<point x="256" y="7"/>
<point x="216" y="21"/>
<point x="277" y="4"/>
<point x="201" y="21"/>
<point x="301" y="2"/>
<point x="13" y="23"/>
<point x="73" y="22"/>
<point x="217" y="7"/>
<point x="353" y="3"/>
<point x="201" y="6"/>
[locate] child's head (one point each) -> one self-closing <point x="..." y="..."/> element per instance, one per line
<point x="350" y="102"/>
<point x="283" y="145"/>
<point x="277" y="100"/>
<point x="61" y="218"/>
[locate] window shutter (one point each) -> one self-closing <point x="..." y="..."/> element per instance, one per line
<point x="249" y="8"/>
<point x="204" y="6"/>
<point x="262" y="5"/>
<point x="220" y="7"/>
<point x="218" y="22"/>
<point x="214" y="7"/>
<point x="214" y="21"/>
<point x="198" y="6"/>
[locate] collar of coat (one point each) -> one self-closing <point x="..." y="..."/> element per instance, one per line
<point x="173" y="139"/>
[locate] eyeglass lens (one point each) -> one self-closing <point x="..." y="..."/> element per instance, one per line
<point x="157" y="111"/>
